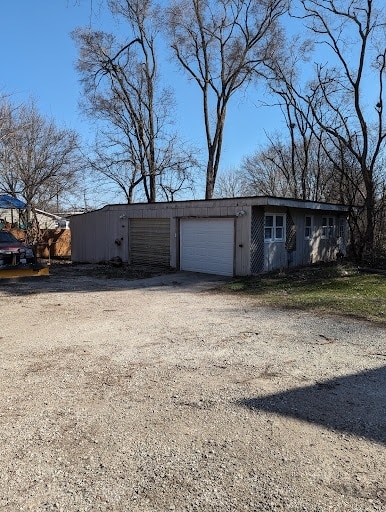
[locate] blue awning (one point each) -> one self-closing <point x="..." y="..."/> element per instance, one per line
<point x="7" y="201"/>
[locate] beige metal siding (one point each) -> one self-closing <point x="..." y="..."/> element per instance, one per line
<point x="99" y="236"/>
<point x="150" y="241"/>
<point x="243" y="242"/>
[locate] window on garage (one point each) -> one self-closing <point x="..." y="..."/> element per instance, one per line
<point x="274" y="227"/>
<point x="308" y="227"/>
<point x="328" y="227"/>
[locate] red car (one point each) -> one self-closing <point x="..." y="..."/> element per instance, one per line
<point x="13" y="251"/>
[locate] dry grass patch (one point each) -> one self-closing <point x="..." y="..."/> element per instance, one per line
<point x="326" y="288"/>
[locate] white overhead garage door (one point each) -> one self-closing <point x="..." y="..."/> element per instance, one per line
<point x="207" y="245"/>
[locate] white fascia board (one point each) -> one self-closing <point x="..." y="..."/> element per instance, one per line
<point x="306" y="205"/>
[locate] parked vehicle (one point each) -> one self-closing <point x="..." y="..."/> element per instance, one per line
<point x="14" y="251"/>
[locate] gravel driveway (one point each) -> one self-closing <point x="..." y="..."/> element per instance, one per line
<point x="165" y="394"/>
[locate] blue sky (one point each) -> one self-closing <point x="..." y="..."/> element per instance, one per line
<point x="38" y="60"/>
<point x="38" y="56"/>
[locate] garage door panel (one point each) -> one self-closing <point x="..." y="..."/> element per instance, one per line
<point x="150" y="241"/>
<point x="207" y="245"/>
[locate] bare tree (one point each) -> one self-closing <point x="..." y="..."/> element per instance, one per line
<point x="347" y="98"/>
<point x="290" y="167"/>
<point x="177" y="176"/>
<point x="221" y="44"/>
<point x="122" y="89"/>
<point x="300" y="154"/>
<point x="265" y="172"/>
<point x="8" y="129"/>
<point x="110" y="159"/>
<point x="230" y="184"/>
<point x="39" y="161"/>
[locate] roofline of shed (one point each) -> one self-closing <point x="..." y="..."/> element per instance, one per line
<point x="254" y="201"/>
<point x="303" y="203"/>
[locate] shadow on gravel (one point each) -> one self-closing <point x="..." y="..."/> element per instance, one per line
<point x="354" y="404"/>
<point x="88" y="279"/>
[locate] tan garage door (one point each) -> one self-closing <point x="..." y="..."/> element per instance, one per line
<point x="150" y="241"/>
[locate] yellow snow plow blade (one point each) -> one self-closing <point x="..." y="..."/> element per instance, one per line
<point x="11" y="271"/>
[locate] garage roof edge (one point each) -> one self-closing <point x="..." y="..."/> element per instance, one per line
<point x="236" y="202"/>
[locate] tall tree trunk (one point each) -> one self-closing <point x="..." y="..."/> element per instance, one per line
<point x="210" y="180"/>
<point x="153" y="189"/>
<point x="368" y="248"/>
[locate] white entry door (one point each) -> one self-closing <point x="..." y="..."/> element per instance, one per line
<point x="207" y="245"/>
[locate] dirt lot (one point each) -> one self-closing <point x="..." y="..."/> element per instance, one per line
<point x="164" y="394"/>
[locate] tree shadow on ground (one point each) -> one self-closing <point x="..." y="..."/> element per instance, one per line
<point x="100" y="278"/>
<point x="354" y="404"/>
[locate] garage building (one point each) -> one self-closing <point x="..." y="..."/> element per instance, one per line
<point x="238" y="236"/>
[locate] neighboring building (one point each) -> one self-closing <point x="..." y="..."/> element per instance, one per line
<point x="49" y="220"/>
<point x="18" y="218"/>
<point x="11" y="210"/>
<point x="239" y="236"/>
